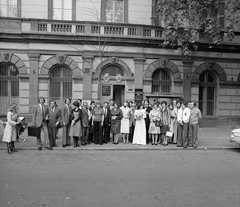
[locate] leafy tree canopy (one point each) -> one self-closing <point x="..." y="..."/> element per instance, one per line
<point x="182" y="20"/>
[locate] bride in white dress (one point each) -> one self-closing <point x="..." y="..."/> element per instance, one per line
<point x="139" y="136"/>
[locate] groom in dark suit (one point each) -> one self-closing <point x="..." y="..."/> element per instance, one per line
<point x="54" y="121"/>
<point x="106" y="123"/>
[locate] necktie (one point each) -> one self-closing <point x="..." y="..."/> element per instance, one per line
<point x="42" y="111"/>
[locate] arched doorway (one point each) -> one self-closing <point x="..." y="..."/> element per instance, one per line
<point x="60" y="83"/>
<point x="113" y="83"/>
<point x="207" y="93"/>
<point x="9" y="86"/>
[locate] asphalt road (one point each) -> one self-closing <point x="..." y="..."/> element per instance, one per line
<point x="190" y="178"/>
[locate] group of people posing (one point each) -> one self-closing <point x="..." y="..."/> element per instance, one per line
<point x="144" y="123"/>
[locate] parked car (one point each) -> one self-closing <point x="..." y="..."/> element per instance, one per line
<point x="235" y="136"/>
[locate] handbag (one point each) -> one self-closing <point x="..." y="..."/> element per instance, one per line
<point x="169" y="134"/>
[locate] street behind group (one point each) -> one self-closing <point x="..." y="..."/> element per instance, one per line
<point x="100" y="123"/>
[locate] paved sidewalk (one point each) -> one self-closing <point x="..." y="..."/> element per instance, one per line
<point x="209" y="138"/>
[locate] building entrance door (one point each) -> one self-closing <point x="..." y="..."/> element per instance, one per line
<point x="119" y="94"/>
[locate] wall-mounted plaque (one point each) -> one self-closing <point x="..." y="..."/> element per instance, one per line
<point x="106" y="90"/>
<point x="130" y="88"/>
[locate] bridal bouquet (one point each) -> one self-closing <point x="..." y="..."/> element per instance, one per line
<point x="139" y="116"/>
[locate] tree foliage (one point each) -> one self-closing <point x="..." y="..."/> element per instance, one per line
<point x="182" y="20"/>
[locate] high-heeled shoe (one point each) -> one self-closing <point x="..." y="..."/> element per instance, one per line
<point x="9" y="150"/>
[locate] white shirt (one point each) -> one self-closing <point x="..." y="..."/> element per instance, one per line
<point x="183" y="115"/>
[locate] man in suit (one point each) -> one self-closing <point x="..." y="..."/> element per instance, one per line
<point x="66" y="119"/>
<point x="39" y="119"/>
<point x="132" y="122"/>
<point x="54" y="121"/>
<point x="91" y="131"/>
<point x="86" y="116"/>
<point x="106" y="123"/>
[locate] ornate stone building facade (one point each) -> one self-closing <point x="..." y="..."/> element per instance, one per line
<point x="58" y="52"/>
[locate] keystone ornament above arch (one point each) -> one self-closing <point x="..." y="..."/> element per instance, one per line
<point x="162" y="63"/>
<point x="60" y="60"/>
<point x="15" y="60"/>
<point x="210" y="66"/>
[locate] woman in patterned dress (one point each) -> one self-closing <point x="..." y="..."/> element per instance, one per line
<point x="10" y="132"/>
<point x="154" y="129"/>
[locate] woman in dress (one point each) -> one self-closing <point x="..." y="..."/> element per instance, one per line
<point x="165" y="114"/>
<point x="10" y="132"/>
<point x="76" y="127"/>
<point x="125" y="122"/>
<point x="98" y="119"/>
<point x="139" y="136"/>
<point x="116" y="116"/>
<point x="154" y="128"/>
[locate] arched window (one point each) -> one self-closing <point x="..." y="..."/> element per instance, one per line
<point x="161" y="82"/>
<point x="60" y="84"/>
<point x="207" y="91"/>
<point x="112" y="70"/>
<point x="9" y="86"/>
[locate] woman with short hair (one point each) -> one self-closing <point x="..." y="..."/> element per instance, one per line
<point x="97" y="122"/>
<point x="125" y="122"/>
<point x="116" y="116"/>
<point x="10" y="132"/>
<point x="154" y="128"/>
<point x="76" y="126"/>
<point x="165" y="115"/>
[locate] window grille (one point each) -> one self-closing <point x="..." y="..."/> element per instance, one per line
<point x="9" y="86"/>
<point x="161" y="82"/>
<point x="60" y="84"/>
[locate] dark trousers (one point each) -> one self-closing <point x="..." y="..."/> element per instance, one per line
<point x="182" y="139"/>
<point x="193" y="135"/>
<point x="85" y="135"/>
<point x="147" y="123"/>
<point x="106" y="134"/>
<point x="52" y="133"/>
<point x="131" y="133"/>
<point x="98" y="138"/>
<point x="66" y="139"/>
